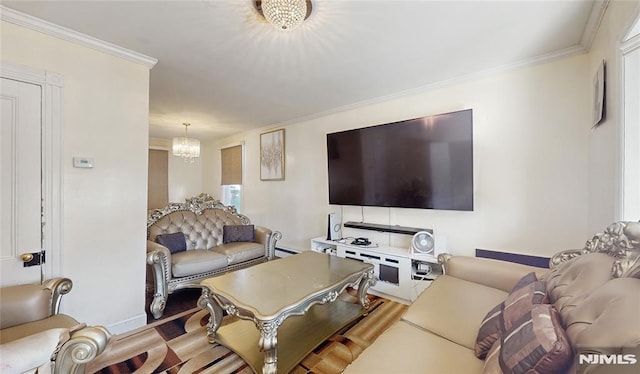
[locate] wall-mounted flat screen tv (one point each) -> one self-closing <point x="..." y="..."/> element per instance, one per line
<point x="422" y="163"/>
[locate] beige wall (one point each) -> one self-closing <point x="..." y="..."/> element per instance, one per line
<point x="530" y="154"/>
<point x="544" y="180"/>
<point x="605" y="150"/>
<point x="105" y="116"/>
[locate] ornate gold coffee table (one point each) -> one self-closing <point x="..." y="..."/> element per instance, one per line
<point x="265" y="295"/>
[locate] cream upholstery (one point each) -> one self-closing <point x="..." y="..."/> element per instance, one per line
<point x="404" y="349"/>
<point x="595" y="290"/>
<point x="201" y="219"/>
<point x="34" y="335"/>
<point x="459" y="311"/>
<point x="475" y="270"/>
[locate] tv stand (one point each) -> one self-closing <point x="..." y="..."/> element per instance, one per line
<point x="400" y="274"/>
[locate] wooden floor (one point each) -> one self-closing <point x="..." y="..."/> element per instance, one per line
<point x="177" y="302"/>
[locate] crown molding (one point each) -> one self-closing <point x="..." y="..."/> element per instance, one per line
<point x="598" y="10"/>
<point x="48" y="28"/>
<point x="549" y="57"/>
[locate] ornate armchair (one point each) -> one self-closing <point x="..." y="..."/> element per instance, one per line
<point x="34" y="335"/>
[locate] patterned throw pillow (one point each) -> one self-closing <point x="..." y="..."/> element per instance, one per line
<point x="238" y="233"/>
<point x="519" y="303"/>
<point x="536" y="344"/>
<point x="528" y="291"/>
<point x="491" y="363"/>
<point x="174" y="242"/>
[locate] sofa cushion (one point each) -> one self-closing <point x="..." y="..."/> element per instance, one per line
<point x="454" y="308"/>
<point x="196" y="261"/>
<point x="605" y="321"/>
<point x="39" y="347"/>
<point x="238" y="252"/>
<point x="175" y="242"/>
<point x="405" y="348"/>
<point x="578" y="276"/>
<point x="537" y="344"/>
<point x="518" y="303"/>
<point x="238" y="233"/>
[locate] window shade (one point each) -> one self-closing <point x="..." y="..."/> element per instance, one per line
<point x="158" y="190"/>
<point x="231" y="165"/>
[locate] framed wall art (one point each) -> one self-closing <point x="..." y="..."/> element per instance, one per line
<point x="599" y="95"/>
<point x="272" y="155"/>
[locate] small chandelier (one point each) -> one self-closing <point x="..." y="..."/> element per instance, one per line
<point x="186" y="147"/>
<point x="284" y="14"/>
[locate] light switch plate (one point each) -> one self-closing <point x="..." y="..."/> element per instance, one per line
<point x="83" y="162"/>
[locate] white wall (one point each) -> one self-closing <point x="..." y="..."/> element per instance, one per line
<point x="105" y="116"/>
<point x="531" y="127"/>
<point x="605" y="140"/>
<point x="544" y="179"/>
<point x="185" y="178"/>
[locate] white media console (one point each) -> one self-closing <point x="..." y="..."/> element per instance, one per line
<point x="400" y="274"/>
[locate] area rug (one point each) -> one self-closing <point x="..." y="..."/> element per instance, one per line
<point x="179" y="345"/>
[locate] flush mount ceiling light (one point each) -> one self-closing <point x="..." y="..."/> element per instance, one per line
<point x="284" y="14"/>
<point x="186" y="147"/>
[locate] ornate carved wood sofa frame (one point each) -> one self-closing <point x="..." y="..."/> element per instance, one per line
<point x="202" y="220"/>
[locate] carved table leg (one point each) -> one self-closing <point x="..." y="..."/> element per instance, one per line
<point x="367" y="281"/>
<point x="268" y="344"/>
<point x="215" y="319"/>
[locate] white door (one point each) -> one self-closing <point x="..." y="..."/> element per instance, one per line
<point x="20" y="187"/>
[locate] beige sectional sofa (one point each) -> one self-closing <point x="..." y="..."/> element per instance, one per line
<point x="595" y="291"/>
<point x="198" y="239"/>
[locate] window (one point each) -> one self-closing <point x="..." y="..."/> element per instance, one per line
<point x="231" y="176"/>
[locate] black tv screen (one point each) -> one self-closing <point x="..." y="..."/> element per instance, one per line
<point x="419" y="163"/>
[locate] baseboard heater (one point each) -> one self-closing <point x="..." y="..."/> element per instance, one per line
<point x="537" y="261"/>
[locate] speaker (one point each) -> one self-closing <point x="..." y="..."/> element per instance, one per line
<point x="424" y="242"/>
<point x="334" y="227"/>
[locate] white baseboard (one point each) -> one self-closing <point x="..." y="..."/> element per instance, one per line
<point x="285" y="252"/>
<point x="128" y="324"/>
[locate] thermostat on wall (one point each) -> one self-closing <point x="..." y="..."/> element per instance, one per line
<point x="82" y="162"/>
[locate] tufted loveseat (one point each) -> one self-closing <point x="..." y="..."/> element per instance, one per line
<point x="210" y="247"/>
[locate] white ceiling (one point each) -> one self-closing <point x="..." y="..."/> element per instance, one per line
<point x="222" y="68"/>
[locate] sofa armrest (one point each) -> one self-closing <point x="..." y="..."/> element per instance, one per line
<point x="268" y="238"/>
<point x="159" y="258"/>
<point x="31" y="302"/>
<point x="58" y="287"/>
<point x="84" y="345"/>
<point x="498" y="274"/>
